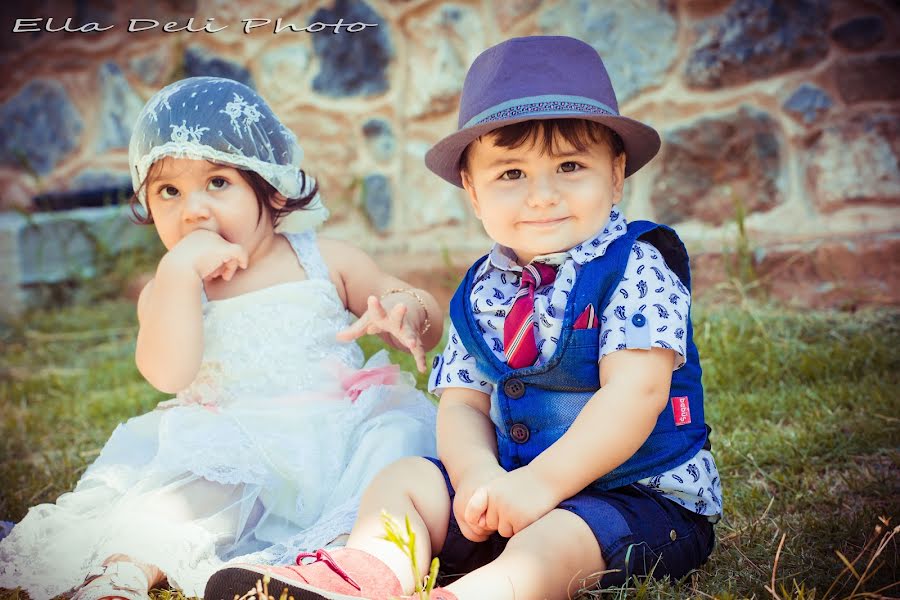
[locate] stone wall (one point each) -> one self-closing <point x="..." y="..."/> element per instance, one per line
<point x="785" y="112"/>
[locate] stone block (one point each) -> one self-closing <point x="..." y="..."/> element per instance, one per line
<point x="860" y="33"/>
<point x="379" y="138"/>
<point x="868" y="78"/>
<point x="199" y="61"/>
<point x="855" y="161"/>
<point x="119" y="109"/>
<point x="716" y="166"/>
<point x="352" y="64"/>
<point x="39" y="126"/>
<point x="377" y="201"/>
<point x="808" y="104"/>
<point x="443" y="43"/>
<point x="756" y="39"/>
<point x="635" y="38"/>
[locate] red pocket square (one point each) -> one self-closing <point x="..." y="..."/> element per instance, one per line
<point x="587" y="319"/>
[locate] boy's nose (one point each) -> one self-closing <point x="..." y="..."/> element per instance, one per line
<point x="543" y="192"/>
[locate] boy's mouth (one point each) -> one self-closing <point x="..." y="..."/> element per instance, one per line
<point x="544" y="222"/>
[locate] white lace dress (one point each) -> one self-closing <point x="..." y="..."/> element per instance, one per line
<point x="264" y="455"/>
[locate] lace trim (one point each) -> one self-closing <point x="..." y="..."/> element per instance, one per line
<point x="307" y="250"/>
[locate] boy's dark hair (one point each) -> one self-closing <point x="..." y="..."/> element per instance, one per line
<point x="262" y="189"/>
<point x="578" y="132"/>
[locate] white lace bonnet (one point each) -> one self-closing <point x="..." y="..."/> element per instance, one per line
<point x="226" y="122"/>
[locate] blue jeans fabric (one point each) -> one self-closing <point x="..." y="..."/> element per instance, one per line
<point x="640" y="532"/>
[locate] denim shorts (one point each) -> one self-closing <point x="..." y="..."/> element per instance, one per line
<point x="640" y="532"/>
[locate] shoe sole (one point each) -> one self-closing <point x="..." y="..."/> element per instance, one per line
<point x="223" y="585"/>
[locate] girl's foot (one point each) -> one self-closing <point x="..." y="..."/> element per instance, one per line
<point x="118" y="579"/>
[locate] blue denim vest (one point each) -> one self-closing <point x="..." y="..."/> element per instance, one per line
<point x="534" y="406"/>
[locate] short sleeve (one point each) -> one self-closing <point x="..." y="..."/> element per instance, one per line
<point x="649" y="309"/>
<point x="455" y="367"/>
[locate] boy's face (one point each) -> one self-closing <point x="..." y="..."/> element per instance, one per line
<point x="538" y="203"/>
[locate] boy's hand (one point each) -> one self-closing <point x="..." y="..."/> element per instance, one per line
<point x="208" y="255"/>
<point x="393" y="326"/>
<point x="515" y="501"/>
<point x="470" y="502"/>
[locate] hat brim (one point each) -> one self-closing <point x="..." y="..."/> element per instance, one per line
<point x="641" y="142"/>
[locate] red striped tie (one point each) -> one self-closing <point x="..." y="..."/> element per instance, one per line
<point x="518" y="329"/>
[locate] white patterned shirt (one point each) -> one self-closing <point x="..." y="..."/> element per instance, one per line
<point x="648" y="287"/>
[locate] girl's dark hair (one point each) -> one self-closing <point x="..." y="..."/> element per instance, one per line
<point x="262" y="189"/>
<point x="581" y="133"/>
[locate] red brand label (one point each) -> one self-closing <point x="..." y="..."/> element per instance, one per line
<point x="681" y="409"/>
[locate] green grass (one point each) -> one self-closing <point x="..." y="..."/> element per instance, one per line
<point x="804" y="409"/>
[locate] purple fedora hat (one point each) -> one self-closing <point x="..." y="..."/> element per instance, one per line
<point x="539" y="77"/>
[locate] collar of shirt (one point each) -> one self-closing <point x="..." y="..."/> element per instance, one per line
<point x="503" y="258"/>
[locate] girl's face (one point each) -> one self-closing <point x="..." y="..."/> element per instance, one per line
<point x="186" y="194"/>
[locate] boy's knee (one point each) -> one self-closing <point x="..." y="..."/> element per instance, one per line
<point x="560" y="536"/>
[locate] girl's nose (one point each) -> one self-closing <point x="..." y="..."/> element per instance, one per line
<point x="196" y="207"/>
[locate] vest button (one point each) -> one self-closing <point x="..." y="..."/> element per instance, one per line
<point x="519" y="433"/>
<point x="514" y="388"/>
<point x="639" y="320"/>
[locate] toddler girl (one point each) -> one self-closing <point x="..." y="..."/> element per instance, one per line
<point x="276" y="425"/>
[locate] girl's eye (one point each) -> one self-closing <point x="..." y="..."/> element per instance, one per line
<point x="568" y="167"/>
<point x="512" y="174"/>
<point x="218" y="183"/>
<point x="167" y="192"/>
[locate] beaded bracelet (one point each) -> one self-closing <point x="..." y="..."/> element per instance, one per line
<point x="418" y="298"/>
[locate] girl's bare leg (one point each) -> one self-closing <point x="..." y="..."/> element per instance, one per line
<point x="189" y="502"/>
<point x="552" y="558"/>
<point x="412" y="487"/>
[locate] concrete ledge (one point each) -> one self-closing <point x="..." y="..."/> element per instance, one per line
<point x="53" y="247"/>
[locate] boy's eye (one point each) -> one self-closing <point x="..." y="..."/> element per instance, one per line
<point x="218" y="183"/>
<point x="569" y="166"/>
<point x="512" y="174"/>
<point x="167" y="192"/>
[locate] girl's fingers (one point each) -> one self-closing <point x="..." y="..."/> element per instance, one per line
<point x="355" y="330"/>
<point x="418" y="353"/>
<point x="214" y="273"/>
<point x="229" y="269"/>
<point x="376" y="308"/>
<point x="242" y="257"/>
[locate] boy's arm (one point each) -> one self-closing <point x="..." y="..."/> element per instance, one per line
<point x="466" y="439"/>
<point x="467" y="446"/>
<point x="611" y="427"/>
<point x="614" y="423"/>
<point x="357" y="277"/>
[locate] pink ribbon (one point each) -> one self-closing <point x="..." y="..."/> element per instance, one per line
<point x="356" y="382"/>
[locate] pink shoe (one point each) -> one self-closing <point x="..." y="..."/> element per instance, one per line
<point x="348" y="573"/>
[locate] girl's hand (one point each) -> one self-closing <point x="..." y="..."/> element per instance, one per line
<point x="209" y="255"/>
<point x="394" y="327"/>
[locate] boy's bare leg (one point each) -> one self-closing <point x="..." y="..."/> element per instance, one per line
<point x="411" y="487"/>
<point x="552" y="558"/>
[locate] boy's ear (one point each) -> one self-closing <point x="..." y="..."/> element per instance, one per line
<point x="618" y="173"/>
<point x="470" y="192"/>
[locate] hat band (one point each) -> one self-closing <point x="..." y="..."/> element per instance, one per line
<point x="536" y="106"/>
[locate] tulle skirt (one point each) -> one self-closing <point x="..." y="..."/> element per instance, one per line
<point x="188" y="487"/>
